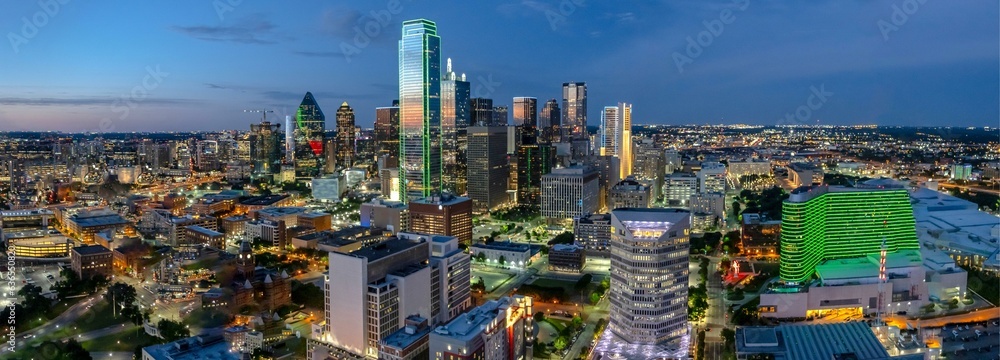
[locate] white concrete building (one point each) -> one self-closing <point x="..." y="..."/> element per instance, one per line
<point x="498" y="330"/>
<point x="568" y="193"/>
<point x="712" y="178"/>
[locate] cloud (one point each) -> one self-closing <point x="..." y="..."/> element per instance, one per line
<point x="87" y="101"/>
<point x="248" y="30"/>
<point x="319" y="54"/>
<point x="340" y="23"/>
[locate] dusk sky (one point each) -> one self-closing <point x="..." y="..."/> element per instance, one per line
<point x="937" y="63"/>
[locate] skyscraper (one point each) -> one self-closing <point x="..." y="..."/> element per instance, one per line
<point x="574" y="111"/>
<point x="525" y="111"/>
<point x="420" y="110"/>
<point x="500" y="116"/>
<point x="387" y="132"/>
<point x="310" y="127"/>
<point x="345" y="136"/>
<point x="487" y="168"/>
<point x="454" y="123"/>
<point x="822" y="222"/>
<point x="533" y="161"/>
<point x="481" y="112"/>
<point x="649" y="281"/>
<point x="265" y="149"/>
<point x="616" y="135"/>
<point x="549" y="121"/>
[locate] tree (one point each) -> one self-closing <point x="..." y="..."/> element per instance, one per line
<point x="172" y="330"/>
<point x="502" y="260"/>
<point x="594" y="298"/>
<point x="560" y="343"/>
<point x="481" y="257"/>
<point x="736" y="209"/>
<point x="121" y="296"/>
<point x="582" y="283"/>
<point x="307" y="294"/>
<point x="564" y="238"/>
<point x="539" y="316"/>
<point x="73" y="350"/>
<point x="577" y="321"/>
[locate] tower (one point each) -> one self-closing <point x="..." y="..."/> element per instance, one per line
<point x="419" y="109"/>
<point x="345" y="136"/>
<point x="245" y="263"/>
<point x="310" y="127"/>
<point x="454" y="128"/>
<point x="574" y="111"/>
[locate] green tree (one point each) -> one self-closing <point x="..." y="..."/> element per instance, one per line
<point x="594" y="298"/>
<point x="502" y="260"/>
<point x="172" y="330"/>
<point x="736" y="209"/>
<point x="121" y="296"/>
<point x="539" y="316"/>
<point x="582" y="283"/>
<point x="307" y="294"/>
<point x="73" y="350"/>
<point x="577" y="321"/>
<point x="560" y="343"/>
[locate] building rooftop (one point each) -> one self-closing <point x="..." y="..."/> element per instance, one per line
<point x="504" y="246"/>
<point x="281" y="211"/>
<point x="264" y="200"/>
<point x="823" y="342"/>
<point x="204" y="231"/>
<point x="101" y="218"/>
<point x="566" y="248"/>
<point x="209" y="347"/>
<point x="409" y="334"/>
<point x="91" y="250"/>
<point x="468" y="325"/>
<point x="659" y="215"/>
<point x="867" y="267"/>
<point x="25" y="212"/>
<point x="386" y="248"/>
<point x="444" y="200"/>
<point x="595" y="218"/>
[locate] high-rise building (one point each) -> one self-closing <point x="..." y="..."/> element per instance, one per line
<point x="649" y="282"/>
<point x="481" y="112"/>
<point x="549" y="122"/>
<point x="574" y="111"/>
<point x="648" y="164"/>
<point x="678" y="188"/>
<point x="500" y="329"/>
<point x="568" y="193"/>
<point x="533" y="161"/>
<point x="822" y="222"/>
<point x="371" y="292"/>
<point x="673" y="160"/>
<point x="345" y="136"/>
<point x="712" y="178"/>
<point x="961" y="171"/>
<point x="387" y="132"/>
<point x="445" y="214"/>
<point x="420" y="110"/>
<point x="616" y="136"/>
<point x="310" y="138"/>
<point x="265" y="147"/>
<point x="500" y="116"/>
<point x="487" y="167"/>
<point x="525" y="111"/>
<point x="454" y="126"/>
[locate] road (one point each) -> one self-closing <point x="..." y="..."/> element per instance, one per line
<point x="67" y="318"/>
<point x="593" y="314"/>
<point x="969" y="188"/>
<point x="715" y="315"/>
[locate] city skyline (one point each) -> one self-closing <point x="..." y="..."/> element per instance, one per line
<point x="911" y="72"/>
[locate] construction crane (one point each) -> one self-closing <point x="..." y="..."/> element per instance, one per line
<point x="262" y="111"/>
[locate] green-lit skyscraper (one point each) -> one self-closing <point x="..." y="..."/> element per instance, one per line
<point x="831" y="222"/>
<point x="310" y="138"/>
<point x="419" y="110"/>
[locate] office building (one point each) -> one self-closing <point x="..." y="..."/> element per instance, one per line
<point x="487" y="168"/>
<point x="678" y="188"/>
<point x="533" y="161"/>
<point x="310" y="138"/>
<point x="84" y="224"/>
<point x="91" y="260"/>
<point x="550" y="122"/>
<point x="500" y="116"/>
<point x="574" y="111"/>
<point x="846" y="340"/>
<point x="673" y="160"/>
<point x="961" y="171"/>
<point x="630" y="193"/>
<point x="481" y="112"/>
<point x="526" y="111"/>
<point x="442" y="215"/>
<point x="712" y="178"/>
<point x="738" y="170"/>
<point x="329" y="188"/>
<point x="211" y="346"/>
<point x="568" y="193"/>
<point x="265" y="149"/>
<point x="616" y="136"/>
<point x="832" y="222"/>
<point x="270" y="232"/>
<point x="202" y="237"/>
<point x="408" y="342"/>
<point x="387" y="133"/>
<point x="393" y="216"/>
<point x="372" y="291"/>
<point x="649" y="164"/>
<point x="319" y="221"/>
<point x="502" y="254"/>
<point x="593" y="232"/>
<point x="708" y="203"/>
<point x="497" y="330"/>
<point x="804" y="174"/>
<point x="567" y="257"/>
<point x="649" y="282"/>
<point x="345" y="148"/>
<point x="454" y="126"/>
<point x="419" y="110"/>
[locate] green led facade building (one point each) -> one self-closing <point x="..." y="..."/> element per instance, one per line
<point x="419" y="110"/>
<point x="830" y="222"/>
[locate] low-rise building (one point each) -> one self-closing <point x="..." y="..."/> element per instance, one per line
<point x="192" y="348"/>
<point x="406" y="343"/>
<point x="91" y="260"/>
<point x="593" y="232"/>
<point x="567" y="257"/>
<point x="504" y="254"/>
<point x="391" y="215"/>
<point x="630" y="193"/>
<point x="499" y="329"/>
<point x="270" y="232"/>
<point x="320" y="221"/>
<point x="201" y="237"/>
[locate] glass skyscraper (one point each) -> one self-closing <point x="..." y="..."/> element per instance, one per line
<point x="454" y="125"/>
<point x="310" y="125"/>
<point x="345" y="136"/>
<point x="419" y="110"/>
<point x="387" y="132"/>
<point x="574" y="111"/>
<point x="549" y="121"/>
<point x="265" y="149"/>
<point x="481" y="112"/>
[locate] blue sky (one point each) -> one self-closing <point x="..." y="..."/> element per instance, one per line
<point x="88" y="66"/>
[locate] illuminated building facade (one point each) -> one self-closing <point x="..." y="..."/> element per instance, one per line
<point x="420" y="110"/>
<point x="454" y="126"/>
<point x="574" y="111"/>
<point x="345" y="137"/>
<point x="310" y="138"/>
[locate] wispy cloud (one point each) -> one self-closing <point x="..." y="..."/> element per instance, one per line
<point x="247" y="30"/>
<point x="319" y="54"/>
<point x="86" y="101"/>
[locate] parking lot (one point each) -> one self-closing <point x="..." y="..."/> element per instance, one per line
<point x="42" y="275"/>
<point x="971" y="341"/>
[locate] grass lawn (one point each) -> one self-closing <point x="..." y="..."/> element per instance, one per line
<point x="200" y="264"/>
<point x="201" y="318"/>
<point x="123" y="341"/>
<point x="559" y="325"/>
<point x="54" y="311"/>
<point x="492" y="280"/>
<point x="98" y="317"/>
